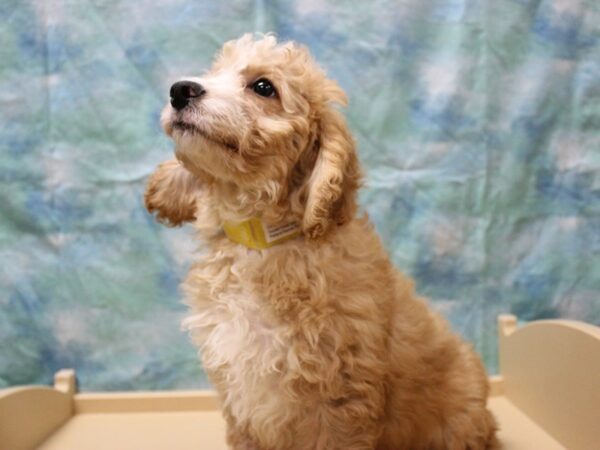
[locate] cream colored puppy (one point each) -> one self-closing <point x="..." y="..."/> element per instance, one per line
<point x="312" y="339"/>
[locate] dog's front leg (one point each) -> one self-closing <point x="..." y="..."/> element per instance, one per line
<point x="171" y="193"/>
<point x="238" y="440"/>
<point x="349" y="426"/>
<point x="237" y="436"/>
<point x="344" y="394"/>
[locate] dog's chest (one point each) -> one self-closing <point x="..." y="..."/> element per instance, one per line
<point x="242" y="347"/>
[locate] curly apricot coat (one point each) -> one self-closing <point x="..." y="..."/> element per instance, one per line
<point x="319" y="342"/>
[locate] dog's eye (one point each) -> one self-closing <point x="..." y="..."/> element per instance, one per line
<point x="264" y="88"/>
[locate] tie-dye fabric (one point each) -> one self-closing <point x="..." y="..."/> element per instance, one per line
<point x="478" y="125"/>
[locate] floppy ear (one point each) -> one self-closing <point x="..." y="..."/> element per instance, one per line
<point x="335" y="178"/>
<point x="171" y="194"/>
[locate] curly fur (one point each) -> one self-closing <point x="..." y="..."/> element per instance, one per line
<point x="317" y="343"/>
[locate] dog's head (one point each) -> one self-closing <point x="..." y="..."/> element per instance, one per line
<point x="262" y="122"/>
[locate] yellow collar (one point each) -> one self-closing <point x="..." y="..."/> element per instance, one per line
<point x="254" y="233"/>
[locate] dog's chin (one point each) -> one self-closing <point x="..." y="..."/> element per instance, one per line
<point x="182" y="128"/>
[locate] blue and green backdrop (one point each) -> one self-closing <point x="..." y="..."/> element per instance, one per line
<point x="478" y="124"/>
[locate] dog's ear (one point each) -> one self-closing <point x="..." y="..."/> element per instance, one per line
<point x="335" y="178"/>
<point x="171" y="194"/>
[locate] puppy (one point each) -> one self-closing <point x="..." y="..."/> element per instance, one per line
<point x="312" y="339"/>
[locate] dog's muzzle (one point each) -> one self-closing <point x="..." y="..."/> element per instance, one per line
<point x="183" y="92"/>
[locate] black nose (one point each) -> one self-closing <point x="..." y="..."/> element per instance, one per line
<point x="182" y="91"/>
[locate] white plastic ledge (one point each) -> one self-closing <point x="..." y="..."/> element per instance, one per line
<point x="546" y="398"/>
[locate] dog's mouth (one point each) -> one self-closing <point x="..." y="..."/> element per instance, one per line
<point x="191" y="128"/>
